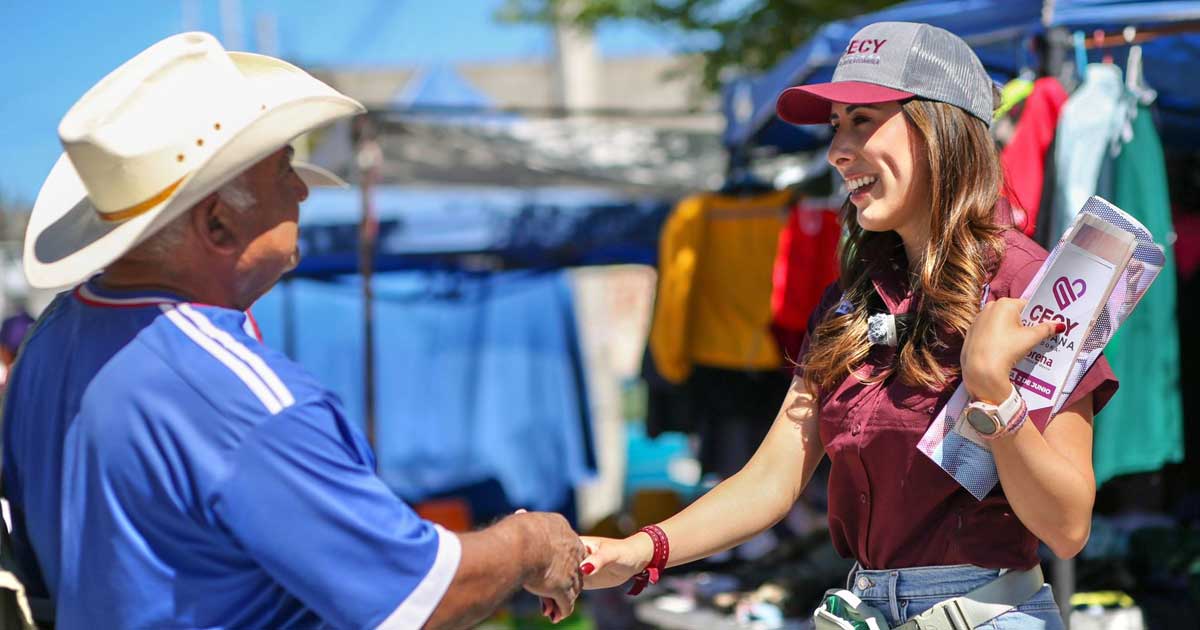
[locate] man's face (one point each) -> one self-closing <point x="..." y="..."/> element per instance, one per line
<point x="269" y="228"/>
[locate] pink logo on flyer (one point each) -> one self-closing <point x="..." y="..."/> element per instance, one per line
<point x="1067" y="291"/>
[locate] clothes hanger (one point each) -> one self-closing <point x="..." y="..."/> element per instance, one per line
<point x="1098" y="39"/>
<point x="1028" y="60"/>
<point x="1133" y="70"/>
<point x="742" y="181"/>
<point x="1081" y="60"/>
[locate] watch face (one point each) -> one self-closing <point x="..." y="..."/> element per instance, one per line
<point x="981" y="421"/>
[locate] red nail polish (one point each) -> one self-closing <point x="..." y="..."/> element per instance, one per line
<point x="1059" y="328"/>
<point x="587" y="568"/>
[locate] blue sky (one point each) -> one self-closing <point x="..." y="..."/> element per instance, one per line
<point x="53" y="51"/>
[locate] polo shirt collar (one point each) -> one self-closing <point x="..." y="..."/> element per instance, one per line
<point x="891" y="283"/>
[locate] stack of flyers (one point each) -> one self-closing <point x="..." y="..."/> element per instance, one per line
<point x="1090" y="283"/>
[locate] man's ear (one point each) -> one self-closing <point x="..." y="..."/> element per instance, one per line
<point x="211" y="219"/>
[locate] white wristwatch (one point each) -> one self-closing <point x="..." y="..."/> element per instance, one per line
<point x="991" y="420"/>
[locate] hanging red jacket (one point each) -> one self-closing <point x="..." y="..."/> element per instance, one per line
<point x="1024" y="159"/>
<point x="805" y="263"/>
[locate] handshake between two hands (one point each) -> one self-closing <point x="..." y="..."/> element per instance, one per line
<point x="571" y="563"/>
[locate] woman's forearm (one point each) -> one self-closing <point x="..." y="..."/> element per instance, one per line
<point x="1047" y="477"/>
<point x="760" y="494"/>
<point x="1045" y="482"/>
<point x="731" y="513"/>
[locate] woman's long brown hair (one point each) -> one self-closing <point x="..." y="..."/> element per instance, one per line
<point x="964" y="246"/>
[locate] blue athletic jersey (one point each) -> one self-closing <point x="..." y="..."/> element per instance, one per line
<point x="166" y="469"/>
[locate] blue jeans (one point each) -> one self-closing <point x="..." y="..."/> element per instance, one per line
<point x="903" y="593"/>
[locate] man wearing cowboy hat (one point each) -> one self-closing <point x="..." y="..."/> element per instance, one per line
<point x="166" y="469"/>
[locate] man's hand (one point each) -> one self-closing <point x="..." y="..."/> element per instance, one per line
<point x="558" y="581"/>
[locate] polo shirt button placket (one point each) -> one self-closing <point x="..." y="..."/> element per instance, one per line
<point x="862" y="498"/>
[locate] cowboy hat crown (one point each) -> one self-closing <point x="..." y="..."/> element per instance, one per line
<point x="123" y="147"/>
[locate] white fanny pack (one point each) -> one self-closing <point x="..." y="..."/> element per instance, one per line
<point x="842" y="610"/>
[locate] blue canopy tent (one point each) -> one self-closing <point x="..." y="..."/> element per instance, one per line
<point x="998" y="30"/>
<point x="504" y="227"/>
<point x="449" y="98"/>
<point x="442" y="85"/>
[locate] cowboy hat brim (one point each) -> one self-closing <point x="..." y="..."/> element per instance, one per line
<point x="316" y="177"/>
<point x="67" y="240"/>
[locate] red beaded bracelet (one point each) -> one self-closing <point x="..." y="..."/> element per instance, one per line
<point x="658" y="562"/>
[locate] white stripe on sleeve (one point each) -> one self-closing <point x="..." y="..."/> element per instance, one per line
<point x="243" y="372"/>
<point x="255" y="362"/>
<point x="415" y="610"/>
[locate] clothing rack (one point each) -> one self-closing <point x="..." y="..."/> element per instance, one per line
<point x="1132" y="34"/>
<point x="1061" y="44"/>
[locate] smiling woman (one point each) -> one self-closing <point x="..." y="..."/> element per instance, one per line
<point x="900" y="151"/>
<point x="910" y="106"/>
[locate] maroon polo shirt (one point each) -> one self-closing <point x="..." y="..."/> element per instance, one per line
<point x="890" y="506"/>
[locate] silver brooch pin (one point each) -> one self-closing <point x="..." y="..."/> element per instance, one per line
<point x="881" y="329"/>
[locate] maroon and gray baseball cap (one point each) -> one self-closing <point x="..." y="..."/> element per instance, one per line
<point x="894" y="61"/>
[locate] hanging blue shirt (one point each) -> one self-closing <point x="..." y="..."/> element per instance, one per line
<point x="166" y="469"/>
<point x="481" y="378"/>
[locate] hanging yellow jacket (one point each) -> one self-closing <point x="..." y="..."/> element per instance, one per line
<point x="713" y="306"/>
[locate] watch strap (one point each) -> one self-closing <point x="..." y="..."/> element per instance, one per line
<point x="1009" y="407"/>
<point x="1010" y="414"/>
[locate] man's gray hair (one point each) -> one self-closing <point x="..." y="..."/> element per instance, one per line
<point x="235" y="194"/>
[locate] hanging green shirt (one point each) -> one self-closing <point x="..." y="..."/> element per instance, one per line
<point x="1142" y="426"/>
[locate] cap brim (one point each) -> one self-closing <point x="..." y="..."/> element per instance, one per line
<point x="811" y="104"/>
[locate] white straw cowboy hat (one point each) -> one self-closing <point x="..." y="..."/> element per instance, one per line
<point x="157" y="135"/>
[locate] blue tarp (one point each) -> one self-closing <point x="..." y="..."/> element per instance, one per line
<point x="1110" y="14"/>
<point x="998" y="30"/>
<point x="478" y="376"/>
<point x="511" y="228"/>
